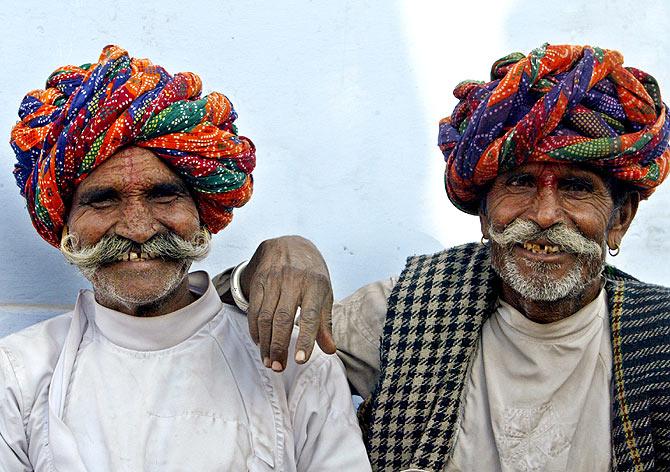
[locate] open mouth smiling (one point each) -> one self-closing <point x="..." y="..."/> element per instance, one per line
<point x="541" y="252"/>
<point x="541" y="248"/>
<point x="133" y="256"/>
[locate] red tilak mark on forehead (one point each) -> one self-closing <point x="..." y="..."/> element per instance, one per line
<point x="547" y="179"/>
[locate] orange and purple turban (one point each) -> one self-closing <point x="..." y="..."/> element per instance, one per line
<point x="87" y="113"/>
<point x="560" y="104"/>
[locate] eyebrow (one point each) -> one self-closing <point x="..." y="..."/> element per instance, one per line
<point x="97" y="195"/>
<point x="587" y="180"/>
<point x="516" y="174"/>
<point x="168" y="188"/>
<point x="100" y="194"/>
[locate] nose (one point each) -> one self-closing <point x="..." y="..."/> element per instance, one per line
<point x="136" y="221"/>
<point x="546" y="209"/>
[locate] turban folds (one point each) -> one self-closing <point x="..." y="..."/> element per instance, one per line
<point x="88" y="113"/>
<point x="559" y="104"/>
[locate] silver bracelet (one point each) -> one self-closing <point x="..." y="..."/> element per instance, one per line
<point x="236" y="288"/>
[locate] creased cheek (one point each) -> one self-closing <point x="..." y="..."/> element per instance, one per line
<point x="502" y="213"/>
<point x="183" y="221"/>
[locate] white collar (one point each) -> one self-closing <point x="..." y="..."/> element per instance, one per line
<point x="569" y="326"/>
<point x="157" y="332"/>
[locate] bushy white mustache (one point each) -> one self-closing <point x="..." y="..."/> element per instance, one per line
<point x="113" y="248"/>
<point x="542" y="286"/>
<point x="567" y="239"/>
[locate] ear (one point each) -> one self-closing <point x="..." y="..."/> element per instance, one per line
<point x="621" y="220"/>
<point x="484" y="223"/>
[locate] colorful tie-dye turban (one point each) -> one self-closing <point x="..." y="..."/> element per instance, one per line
<point x="88" y="113"/>
<point x="564" y="104"/>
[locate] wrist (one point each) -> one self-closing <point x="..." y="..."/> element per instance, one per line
<point x="236" y="287"/>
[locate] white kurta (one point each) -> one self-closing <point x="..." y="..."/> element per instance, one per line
<point x="96" y="390"/>
<point x="537" y="397"/>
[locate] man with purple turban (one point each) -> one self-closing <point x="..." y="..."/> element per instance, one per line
<point x="128" y="170"/>
<point x="525" y="351"/>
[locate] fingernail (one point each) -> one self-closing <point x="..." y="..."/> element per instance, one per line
<point x="300" y="356"/>
<point x="276" y="366"/>
<point x="266" y="361"/>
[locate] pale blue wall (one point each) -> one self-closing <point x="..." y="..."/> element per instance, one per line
<point x="342" y="100"/>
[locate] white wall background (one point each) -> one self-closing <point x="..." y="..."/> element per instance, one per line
<point x="342" y="100"/>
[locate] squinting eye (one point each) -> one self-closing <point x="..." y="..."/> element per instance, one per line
<point x="165" y="199"/>
<point x="102" y="204"/>
<point x="577" y="186"/>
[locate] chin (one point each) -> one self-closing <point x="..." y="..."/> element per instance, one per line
<point x="542" y="286"/>
<point x="546" y="282"/>
<point x="144" y="288"/>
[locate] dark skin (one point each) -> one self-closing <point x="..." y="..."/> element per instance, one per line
<point x="544" y="193"/>
<point x="135" y="195"/>
<point x="286" y="273"/>
<point x="549" y="194"/>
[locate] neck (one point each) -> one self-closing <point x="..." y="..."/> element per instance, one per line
<point x="550" y="311"/>
<point x="173" y="301"/>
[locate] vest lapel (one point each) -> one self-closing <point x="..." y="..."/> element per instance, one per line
<point x="434" y="320"/>
<point x="435" y="315"/>
<point x="631" y="432"/>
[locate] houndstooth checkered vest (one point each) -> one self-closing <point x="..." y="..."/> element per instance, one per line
<point x="433" y="324"/>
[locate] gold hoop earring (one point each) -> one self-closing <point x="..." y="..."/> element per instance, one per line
<point x="484" y="240"/>
<point x="614" y="251"/>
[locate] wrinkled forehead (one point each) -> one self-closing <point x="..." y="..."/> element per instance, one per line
<point x="131" y="169"/>
<point x="550" y="174"/>
<point x="551" y="171"/>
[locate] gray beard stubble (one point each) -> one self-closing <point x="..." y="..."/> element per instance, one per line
<point x="168" y="246"/>
<point x="542" y="286"/>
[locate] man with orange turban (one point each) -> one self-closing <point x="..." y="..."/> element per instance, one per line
<point x="128" y="170"/>
<point x="527" y="351"/>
